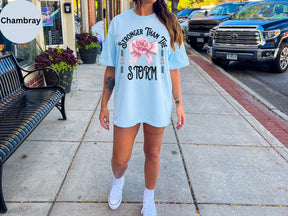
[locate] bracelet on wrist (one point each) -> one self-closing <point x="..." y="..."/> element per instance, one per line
<point x="177" y="100"/>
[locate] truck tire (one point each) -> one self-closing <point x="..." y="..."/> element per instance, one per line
<point x="220" y="62"/>
<point x="280" y="64"/>
<point x="197" y="46"/>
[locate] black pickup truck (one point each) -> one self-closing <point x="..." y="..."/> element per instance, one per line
<point x="259" y="32"/>
<point x="198" y="29"/>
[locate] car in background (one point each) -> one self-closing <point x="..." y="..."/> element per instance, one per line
<point x="182" y="15"/>
<point x="259" y="32"/>
<point x="197" y="33"/>
<point x="193" y="15"/>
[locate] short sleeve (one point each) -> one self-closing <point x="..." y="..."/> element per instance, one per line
<point x="178" y="58"/>
<point x="108" y="55"/>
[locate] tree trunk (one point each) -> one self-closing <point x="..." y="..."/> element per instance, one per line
<point x="174" y="6"/>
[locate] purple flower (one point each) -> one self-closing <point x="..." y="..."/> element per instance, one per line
<point x="85" y="39"/>
<point x="52" y="56"/>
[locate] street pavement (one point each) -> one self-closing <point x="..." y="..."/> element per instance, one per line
<point x="222" y="163"/>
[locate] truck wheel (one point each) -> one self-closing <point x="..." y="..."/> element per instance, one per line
<point x="197" y="46"/>
<point x="220" y="62"/>
<point x="280" y="64"/>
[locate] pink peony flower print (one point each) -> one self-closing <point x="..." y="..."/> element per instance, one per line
<point x="140" y="47"/>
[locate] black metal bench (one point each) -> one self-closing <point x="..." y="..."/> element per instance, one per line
<point x="21" y="109"/>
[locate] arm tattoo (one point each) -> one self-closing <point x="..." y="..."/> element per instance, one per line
<point x="110" y="83"/>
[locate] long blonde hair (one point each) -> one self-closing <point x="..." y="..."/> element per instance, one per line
<point x="168" y="19"/>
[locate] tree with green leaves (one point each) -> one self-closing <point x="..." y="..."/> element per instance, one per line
<point x="174" y="5"/>
<point x="186" y="3"/>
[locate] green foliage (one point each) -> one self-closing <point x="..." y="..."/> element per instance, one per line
<point x="42" y="50"/>
<point x="86" y="41"/>
<point x="196" y="3"/>
<point x="186" y="4"/>
<point x="59" y="59"/>
<point x="89" y="46"/>
<point x="62" y="66"/>
<point x="169" y="4"/>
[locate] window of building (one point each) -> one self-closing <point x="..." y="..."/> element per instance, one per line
<point x="52" y="22"/>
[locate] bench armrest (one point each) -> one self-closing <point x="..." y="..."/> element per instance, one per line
<point x="39" y="69"/>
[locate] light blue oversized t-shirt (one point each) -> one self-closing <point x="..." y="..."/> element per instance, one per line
<point x="139" y="48"/>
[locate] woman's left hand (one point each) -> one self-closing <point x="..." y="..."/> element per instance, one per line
<point x="181" y="116"/>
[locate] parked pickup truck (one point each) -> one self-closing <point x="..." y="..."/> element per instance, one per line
<point x="198" y="29"/>
<point x="259" y="32"/>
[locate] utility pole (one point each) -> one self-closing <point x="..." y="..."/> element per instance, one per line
<point x="105" y="17"/>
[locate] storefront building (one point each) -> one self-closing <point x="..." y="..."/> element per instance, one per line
<point x="61" y="23"/>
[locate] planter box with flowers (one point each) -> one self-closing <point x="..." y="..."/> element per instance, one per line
<point x="62" y="61"/>
<point x="88" y="47"/>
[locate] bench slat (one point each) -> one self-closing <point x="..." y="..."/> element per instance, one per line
<point x="20" y="116"/>
<point x="10" y="80"/>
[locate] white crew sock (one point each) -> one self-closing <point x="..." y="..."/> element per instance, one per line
<point x="117" y="181"/>
<point x="149" y="208"/>
<point x="115" y="196"/>
<point x="148" y="194"/>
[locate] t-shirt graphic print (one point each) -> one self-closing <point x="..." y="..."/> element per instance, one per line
<point x="139" y="49"/>
<point x="142" y="47"/>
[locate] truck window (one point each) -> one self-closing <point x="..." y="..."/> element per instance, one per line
<point x="225" y="9"/>
<point x="265" y="10"/>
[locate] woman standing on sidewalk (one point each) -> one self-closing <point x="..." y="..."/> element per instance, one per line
<point x="143" y="52"/>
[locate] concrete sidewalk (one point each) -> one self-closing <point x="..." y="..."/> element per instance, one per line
<point x="222" y="163"/>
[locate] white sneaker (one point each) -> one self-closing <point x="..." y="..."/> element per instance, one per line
<point x="115" y="196"/>
<point x="149" y="208"/>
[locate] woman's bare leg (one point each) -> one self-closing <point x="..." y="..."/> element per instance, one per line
<point x="122" y="148"/>
<point x="152" y="147"/>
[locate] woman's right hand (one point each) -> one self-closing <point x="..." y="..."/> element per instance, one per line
<point x="104" y="118"/>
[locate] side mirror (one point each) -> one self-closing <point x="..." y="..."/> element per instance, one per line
<point x="231" y="16"/>
<point x="206" y="13"/>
